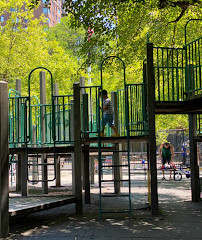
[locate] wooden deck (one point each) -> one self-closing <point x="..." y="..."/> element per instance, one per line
<point x="19" y="206"/>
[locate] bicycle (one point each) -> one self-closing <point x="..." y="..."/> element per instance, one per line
<point x="178" y="174"/>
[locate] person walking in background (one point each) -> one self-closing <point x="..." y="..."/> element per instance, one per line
<point x="108" y="115"/>
<point x="184" y="154"/>
<point x="167" y="154"/>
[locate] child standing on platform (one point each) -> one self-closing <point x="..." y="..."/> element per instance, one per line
<point x="108" y="115"/>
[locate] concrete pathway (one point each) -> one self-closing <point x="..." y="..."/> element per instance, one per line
<point x="179" y="218"/>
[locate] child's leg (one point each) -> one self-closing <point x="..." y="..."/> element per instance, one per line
<point x="115" y="130"/>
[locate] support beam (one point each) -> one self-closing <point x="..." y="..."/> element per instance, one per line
<point x="4" y="161"/>
<point x="86" y="168"/>
<point x="117" y="157"/>
<point x="77" y="148"/>
<point x="24" y="174"/>
<point x="58" y="178"/>
<point x="194" y="165"/>
<point x="151" y="121"/>
<point x="92" y="170"/>
<point x="18" y="157"/>
<point x="43" y="133"/>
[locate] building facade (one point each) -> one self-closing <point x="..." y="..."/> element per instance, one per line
<point x="52" y="10"/>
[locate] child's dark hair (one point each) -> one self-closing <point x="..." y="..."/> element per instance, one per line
<point x="104" y="92"/>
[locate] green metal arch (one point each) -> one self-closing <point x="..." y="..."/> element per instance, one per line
<point x="29" y="89"/>
<point x="124" y="68"/>
<point x="185" y="27"/>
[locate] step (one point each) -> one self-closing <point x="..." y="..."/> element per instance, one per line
<point x="122" y="180"/>
<point x="115" y="195"/>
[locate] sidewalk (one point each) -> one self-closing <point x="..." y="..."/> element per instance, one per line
<point x="179" y="219"/>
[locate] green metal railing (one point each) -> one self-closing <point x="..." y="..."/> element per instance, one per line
<point x="138" y="124"/>
<point x="17" y="118"/>
<point x="63" y="112"/>
<point x="199" y="124"/>
<point x="193" y="68"/>
<point x="93" y="109"/>
<point x="169" y="72"/>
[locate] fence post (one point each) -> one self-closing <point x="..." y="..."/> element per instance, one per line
<point x="151" y="121"/>
<point x="4" y="161"/>
<point x="58" y="180"/>
<point x="18" y="156"/>
<point x="43" y="136"/>
<point x="77" y="148"/>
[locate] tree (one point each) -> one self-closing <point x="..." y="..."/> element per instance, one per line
<point x="24" y="46"/>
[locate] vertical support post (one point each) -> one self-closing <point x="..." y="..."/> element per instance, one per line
<point x="86" y="149"/>
<point x="151" y="120"/>
<point x="195" y="181"/>
<point x="116" y="156"/>
<point x="58" y="179"/>
<point x="43" y="134"/>
<point x="77" y="148"/>
<point x="4" y="161"/>
<point x="34" y="160"/>
<point x="24" y="174"/>
<point x="72" y="139"/>
<point x="82" y="91"/>
<point x="92" y="170"/>
<point x="18" y="157"/>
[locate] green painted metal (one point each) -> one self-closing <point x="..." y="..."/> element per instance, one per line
<point x="193" y="74"/>
<point x="29" y="94"/>
<point x="126" y="118"/>
<point x="17" y="118"/>
<point x="199" y="124"/>
<point x="63" y="119"/>
<point x="169" y="70"/>
<point x="185" y="28"/>
<point x="138" y="124"/>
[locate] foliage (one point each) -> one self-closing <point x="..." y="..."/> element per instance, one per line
<point x="24" y="46"/>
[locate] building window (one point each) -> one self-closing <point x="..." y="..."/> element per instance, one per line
<point x="46" y="10"/>
<point x="58" y="11"/>
<point x="2" y="18"/>
<point x="49" y="21"/>
<point x="59" y="20"/>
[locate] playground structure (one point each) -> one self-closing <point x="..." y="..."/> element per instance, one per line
<point x="69" y="124"/>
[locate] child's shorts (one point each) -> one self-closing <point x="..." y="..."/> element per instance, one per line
<point x="108" y="118"/>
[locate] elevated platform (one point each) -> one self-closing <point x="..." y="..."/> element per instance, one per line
<point x="116" y="139"/>
<point x="21" y="206"/>
<point x="70" y="149"/>
<point x="193" y="105"/>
